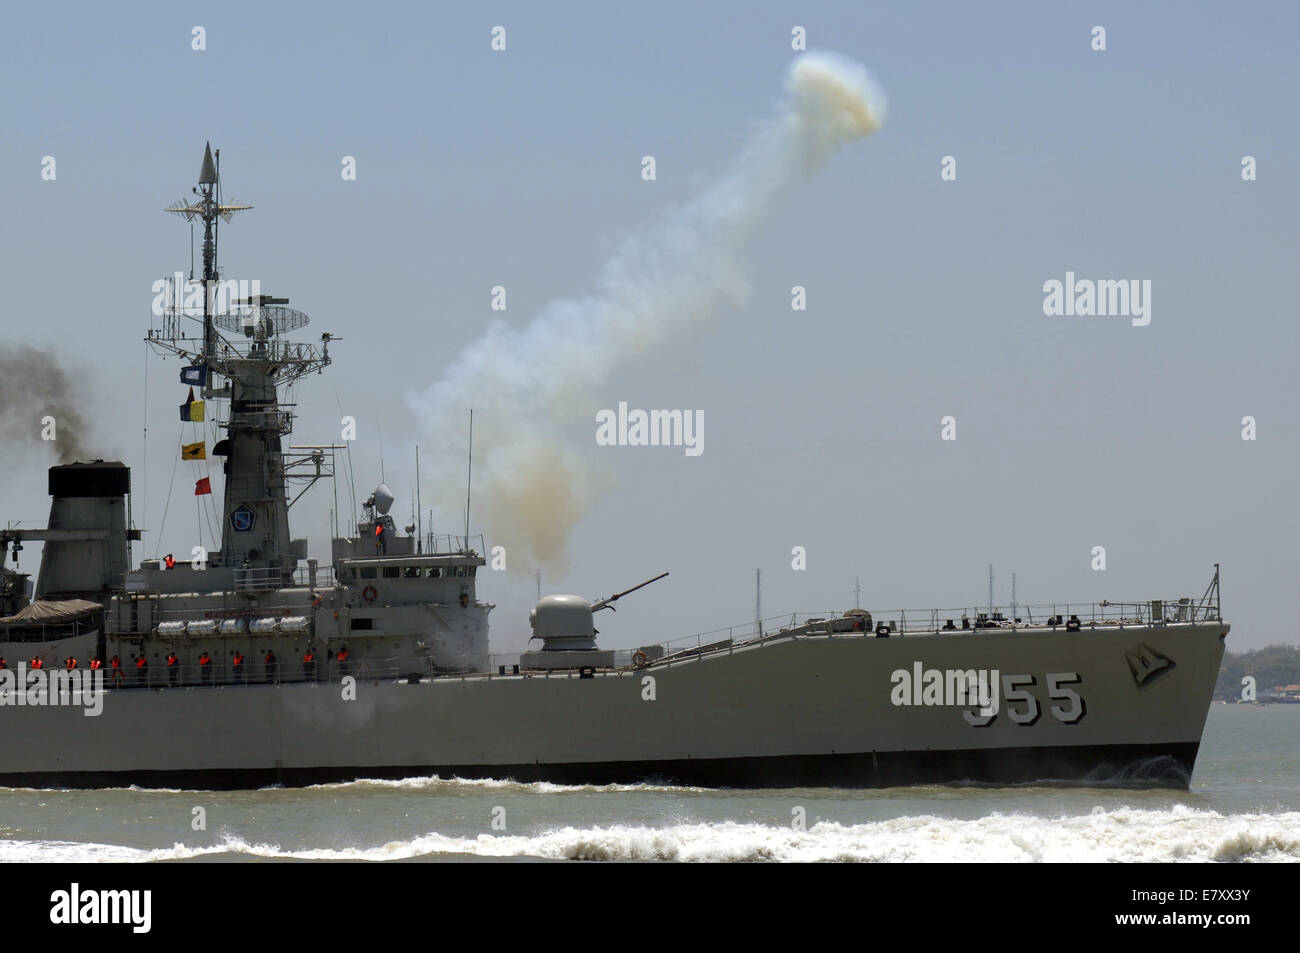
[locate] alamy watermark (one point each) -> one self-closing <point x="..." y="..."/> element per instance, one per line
<point x="81" y="906"/>
<point x="651" y="428"/>
<point x="1105" y="297"/>
<point x="181" y="295"/>
<point x="953" y="687"/>
<point x="54" y="687"/>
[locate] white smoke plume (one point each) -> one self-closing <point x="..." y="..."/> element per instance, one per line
<point x="684" y="268"/>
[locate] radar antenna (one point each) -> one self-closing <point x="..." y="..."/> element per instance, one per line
<point x="207" y="208"/>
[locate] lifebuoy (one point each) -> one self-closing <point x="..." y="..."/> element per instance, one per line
<point x="370" y="593"/>
<point x="363" y="669"/>
<point x="639" y="658"/>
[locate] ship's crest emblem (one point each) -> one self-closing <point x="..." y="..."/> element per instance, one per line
<point x="1147" y="664"/>
<point x="242" y="519"/>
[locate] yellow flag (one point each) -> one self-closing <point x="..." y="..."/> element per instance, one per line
<point x="194" y="451"/>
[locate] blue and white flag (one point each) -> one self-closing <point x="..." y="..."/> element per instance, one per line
<point x="198" y="375"/>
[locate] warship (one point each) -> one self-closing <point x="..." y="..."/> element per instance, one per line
<point x="254" y="664"/>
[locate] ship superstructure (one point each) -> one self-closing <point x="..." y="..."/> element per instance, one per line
<point x="402" y="604"/>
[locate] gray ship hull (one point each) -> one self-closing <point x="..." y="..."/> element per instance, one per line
<point x="1115" y="704"/>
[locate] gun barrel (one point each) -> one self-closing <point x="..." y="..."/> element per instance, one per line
<point x="604" y="603"/>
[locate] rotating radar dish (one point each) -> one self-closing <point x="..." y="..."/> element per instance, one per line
<point x="269" y="319"/>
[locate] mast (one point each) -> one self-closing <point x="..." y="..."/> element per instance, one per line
<point x="469" y="474"/>
<point x="207" y="188"/>
<point x="255" y="362"/>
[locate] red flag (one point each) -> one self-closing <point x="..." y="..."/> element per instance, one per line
<point x="202" y="487"/>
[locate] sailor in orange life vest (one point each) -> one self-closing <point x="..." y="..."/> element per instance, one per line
<point x="237" y="665"/>
<point x="173" y="673"/>
<point x="205" y="667"/>
<point x="381" y="541"/>
<point x="69" y="663"/>
<point x="342" y="659"/>
<point x="169" y="561"/>
<point x="4" y="663"/>
<point x="309" y="665"/>
<point x="95" y="663"/>
<point x="141" y="669"/>
<point x="270" y="665"/>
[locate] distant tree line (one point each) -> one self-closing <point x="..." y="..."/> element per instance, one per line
<point x="1272" y="666"/>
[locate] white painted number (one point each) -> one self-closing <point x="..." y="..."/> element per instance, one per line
<point x="1011" y="691"/>
<point x="1055" y="691"/>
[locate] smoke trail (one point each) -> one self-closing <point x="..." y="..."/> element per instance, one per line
<point x="34" y="386"/>
<point x="681" y="270"/>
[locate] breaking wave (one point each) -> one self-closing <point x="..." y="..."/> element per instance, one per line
<point x="1125" y="835"/>
<point x="436" y="784"/>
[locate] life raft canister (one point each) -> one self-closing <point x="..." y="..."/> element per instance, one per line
<point x="639" y="658"/>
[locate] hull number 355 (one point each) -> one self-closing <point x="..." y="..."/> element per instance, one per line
<point x="1023" y="707"/>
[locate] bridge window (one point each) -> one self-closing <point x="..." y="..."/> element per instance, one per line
<point x="368" y="572"/>
<point x="392" y="572"/>
<point x="411" y="572"/>
<point x="435" y="573"/>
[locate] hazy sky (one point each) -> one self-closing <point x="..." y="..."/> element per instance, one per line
<point x="522" y="168"/>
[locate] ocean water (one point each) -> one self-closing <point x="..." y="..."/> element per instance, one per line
<point x="1244" y="805"/>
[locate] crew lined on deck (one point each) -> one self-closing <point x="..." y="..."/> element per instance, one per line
<point x="310" y="665"/>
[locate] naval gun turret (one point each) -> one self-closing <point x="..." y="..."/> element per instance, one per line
<point x="566" y="626"/>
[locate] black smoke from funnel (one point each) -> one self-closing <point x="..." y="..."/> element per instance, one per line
<point x="33" y="386"/>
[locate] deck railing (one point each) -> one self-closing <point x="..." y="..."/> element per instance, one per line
<point x="447" y="544"/>
<point x="968" y="619"/>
